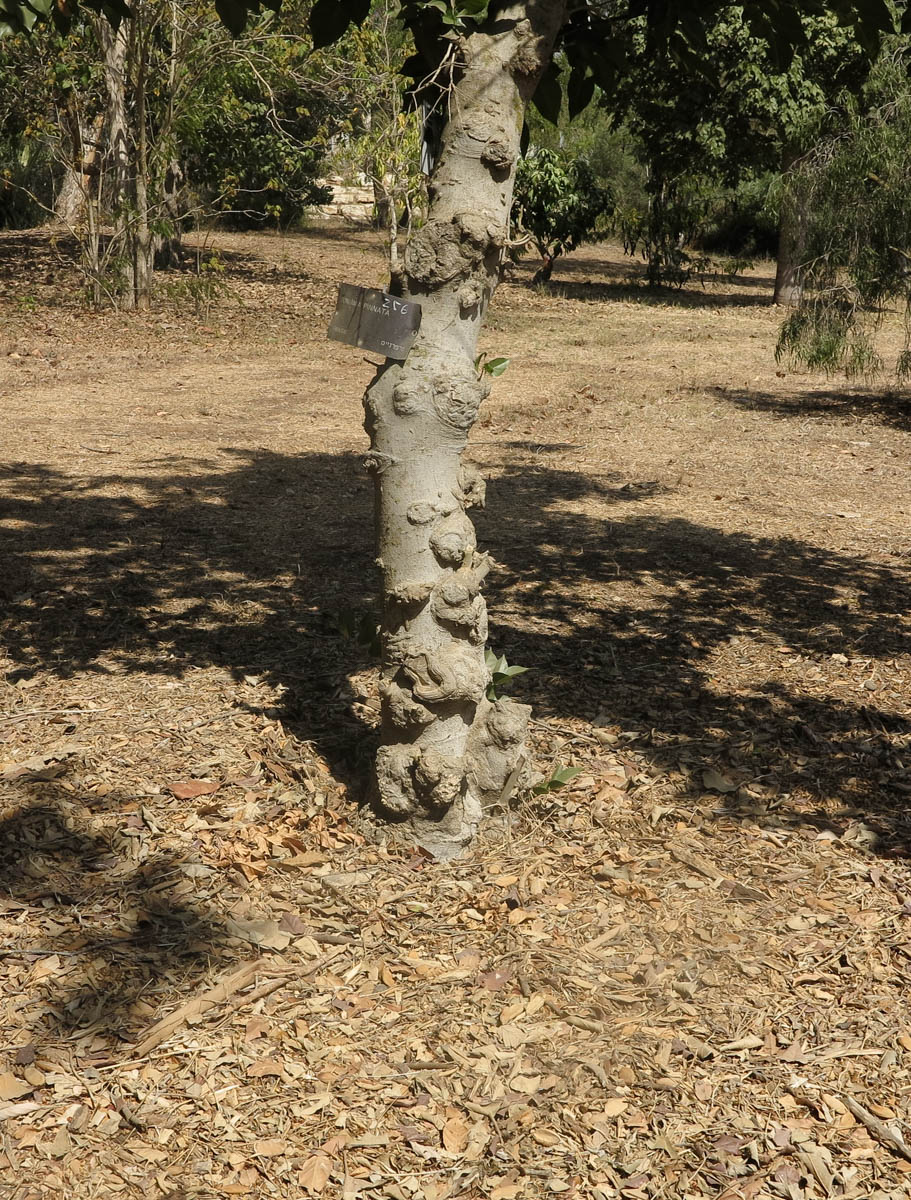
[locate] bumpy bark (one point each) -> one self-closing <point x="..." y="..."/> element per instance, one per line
<point x="447" y="750"/>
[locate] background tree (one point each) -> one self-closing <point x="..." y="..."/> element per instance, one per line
<point x="164" y="120"/>
<point x="559" y="205"/>
<point x="252" y="138"/>
<point x="605" y="142"/>
<point x="732" y="112"/>
<point x="33" y="113"/>
<point x="383" y="140"/>
<point x="853" y="189"/>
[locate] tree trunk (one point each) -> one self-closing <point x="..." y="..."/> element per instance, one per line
<point x="168" y="249"/>
<point x="114" y="46"/>
<point x="546" y="269"/>
<point x="382" y="201"/>
<point x="143" y="245"/>
<point x="446" y="750"/>
<point x="70" y="201"/>
<point x="82" y="169"/>
<point x="91" y="249"/>
<point x="792" y="234"/>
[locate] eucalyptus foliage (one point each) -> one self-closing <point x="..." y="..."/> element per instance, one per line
<point x="856" y="191"/>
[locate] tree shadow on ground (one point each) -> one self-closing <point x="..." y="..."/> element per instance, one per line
<point x="44" y="258"/>
<point x="240" y="265"/>
<point x="603" y="279"/>
<point x="632" y="270"/>
<point x="716" y="648"/>
<point x="690" y="296"/>
<point x="110" y="934"/>
<point x="247" y="568"/>
<point x="883" y="406"/>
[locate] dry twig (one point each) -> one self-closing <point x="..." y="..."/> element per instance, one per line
<point x="889" y="1136"/>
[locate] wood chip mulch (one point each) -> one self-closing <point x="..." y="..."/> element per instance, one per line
<point x="682" y="977"/>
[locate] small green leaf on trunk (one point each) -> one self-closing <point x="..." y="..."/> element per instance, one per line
<point x="496" y="366"/>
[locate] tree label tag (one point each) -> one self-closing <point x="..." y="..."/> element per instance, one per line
<point x="374" y="320"/>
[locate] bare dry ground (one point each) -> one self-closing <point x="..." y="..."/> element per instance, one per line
<point x="685" y="976"/>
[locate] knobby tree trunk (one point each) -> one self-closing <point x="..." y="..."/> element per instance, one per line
<point x="792" y="237"/>
<point x="446" y="750"/>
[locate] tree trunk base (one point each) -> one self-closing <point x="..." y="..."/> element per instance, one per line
<point x="544" y="272"/>
<point x="788" y="295"/>
<point x="497" y="765"/>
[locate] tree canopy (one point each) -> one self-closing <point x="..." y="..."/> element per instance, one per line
<point x="589" y="40"/>
<point x="717" y="121"/>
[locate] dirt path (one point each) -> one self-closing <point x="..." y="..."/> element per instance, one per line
<point x="671" y="979"/>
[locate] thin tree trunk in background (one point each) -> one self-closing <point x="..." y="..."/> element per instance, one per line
<point x="143" y="244"/>
<point x="114" y="47"/>
<point x="446" y="749"/>
<point x="167" y="249"/>
<point x="382" y="202"/>
<point x="546" y="269"/>
<point x="91" y="247"/>
<point x="397" y="282"/>
<point x="792" y="233"/>
<point x="70" y="202"/>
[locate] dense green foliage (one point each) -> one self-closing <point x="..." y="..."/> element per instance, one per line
<point x="559" y="204"/>
<point x="253" y="138"/>
<point x="246" y="122"/>
<point x="47" y="82"/>
<point x="708" y="127"/>
<point x="611" y="150"/>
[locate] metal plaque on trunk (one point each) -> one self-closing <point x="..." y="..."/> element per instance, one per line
<point x="374" y="320"/>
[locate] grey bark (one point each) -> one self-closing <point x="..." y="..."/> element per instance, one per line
<point x="114" y="47"/>
<point x="80" y="173"/>
<point x="141" y="241"/>
<point x="446" y="750"/>
<point x="792" y="235"/>
<point x="70" y="202"/>
<point x="125" y="74"/>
